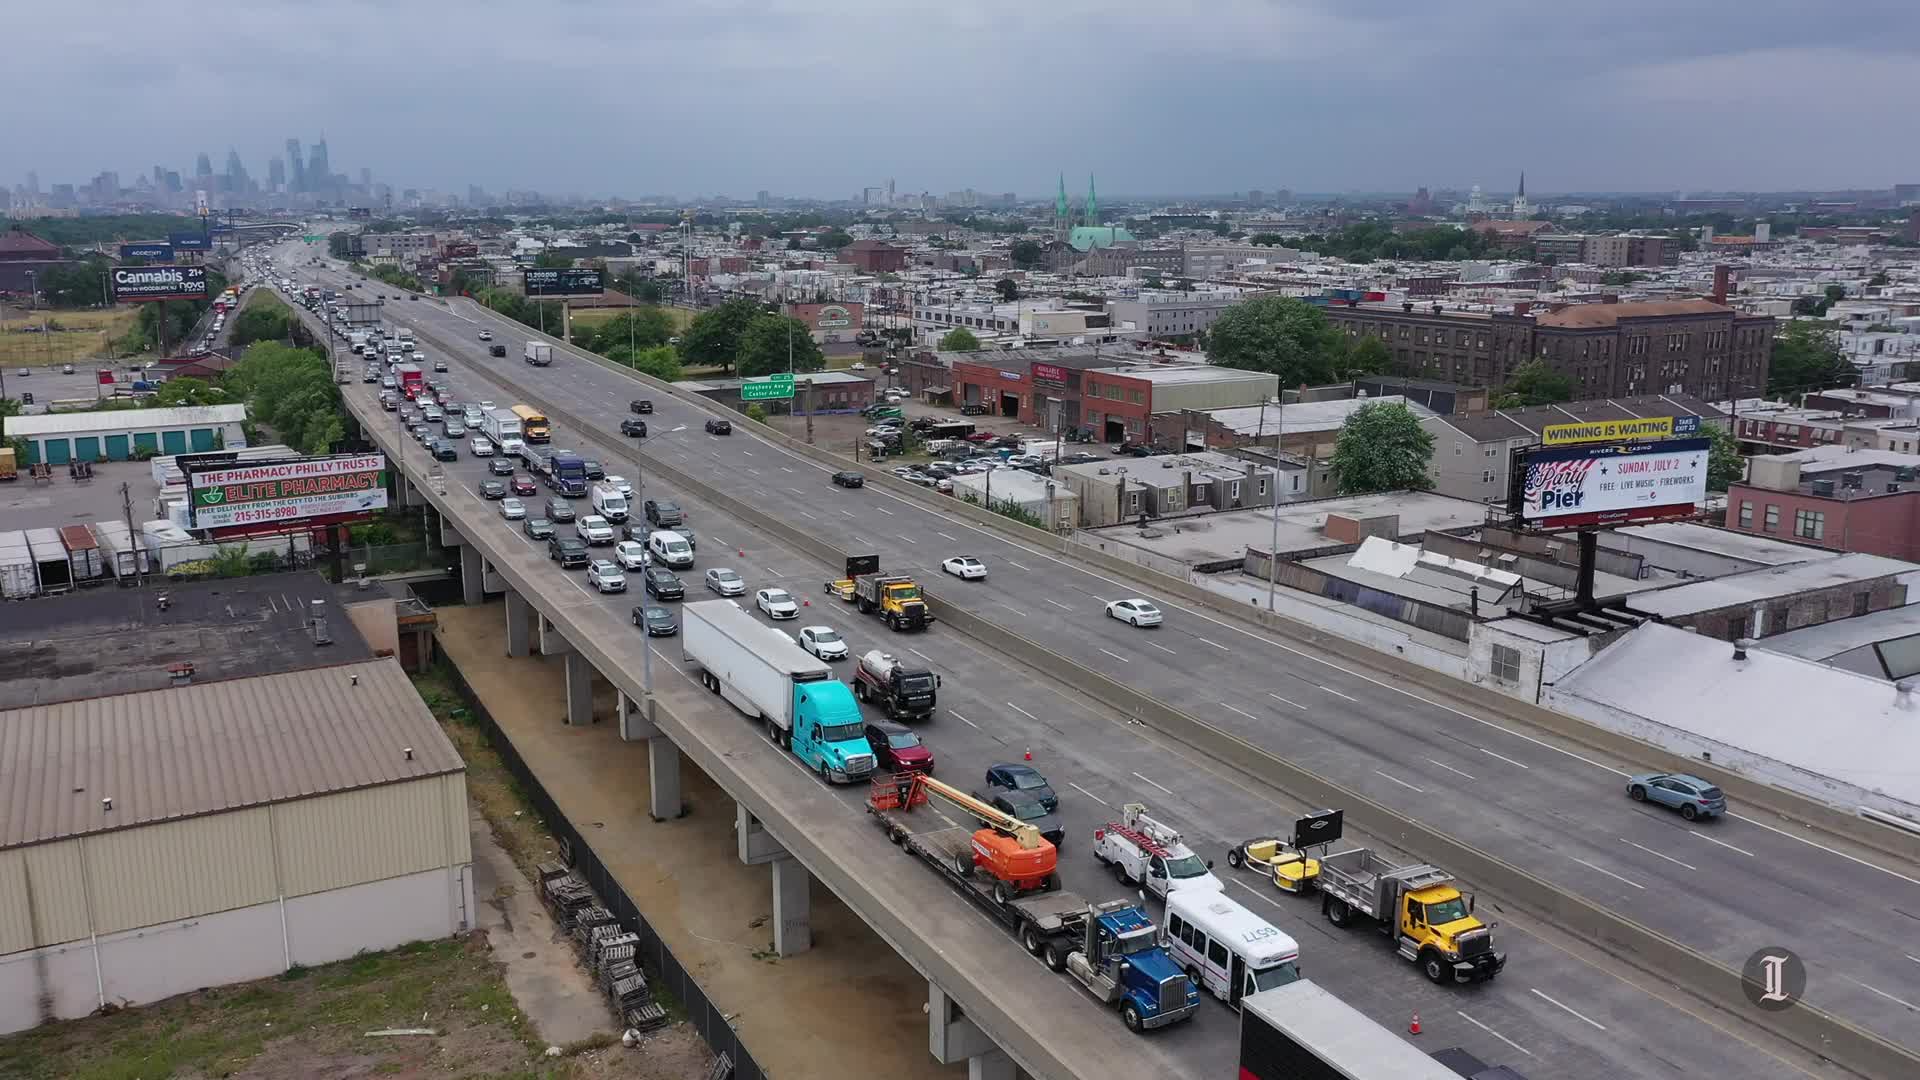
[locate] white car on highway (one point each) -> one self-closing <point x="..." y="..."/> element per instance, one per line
<point x="594" y="529"/>
<point x="965" y="567"/>
<point x="725" y="582"/>
<point x="606" y="577"/>
<point x="480" y="446"/>
<point x="513" y="509"/>
<point x="822" y="641"/>
<point x="1134" y="611"/>
<point x="486" y="335"/>
<point x="631" y="554"/>
<point x="620" y="484"/>
<point x="777" y="603"/>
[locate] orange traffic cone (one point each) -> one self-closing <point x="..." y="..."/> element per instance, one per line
<point x="1029" y="753"/>
<point x="1414" y="1028"/>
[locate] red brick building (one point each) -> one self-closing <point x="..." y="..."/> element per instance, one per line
<point x="1867" y="501"/>
<point x="874" y="256"/>
<point x="21" y="254"/>
<point x="835" y="322"/>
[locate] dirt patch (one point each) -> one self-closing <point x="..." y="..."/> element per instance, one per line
<point x="69" y="336"/>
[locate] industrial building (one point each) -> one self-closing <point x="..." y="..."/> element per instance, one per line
<point x="120" y="434"/>
<point x="209" y="784"/>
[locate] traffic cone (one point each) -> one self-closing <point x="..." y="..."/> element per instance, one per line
<point x="1414" y="1028"/>
<point x="1029" y="753"/>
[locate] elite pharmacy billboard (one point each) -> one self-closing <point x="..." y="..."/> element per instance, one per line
<point x="284" y="491"/>
<point x="1613" y="484"/>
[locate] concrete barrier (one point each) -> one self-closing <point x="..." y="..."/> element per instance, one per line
<point x="1640" y="946"/>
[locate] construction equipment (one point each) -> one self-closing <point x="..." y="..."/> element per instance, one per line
<point x="1143" y="851"/>
<point x="906" y="693"/>
<point x="1430" y="921"/>
<point x="1110" y="948"/>
<point x="1286" y="860"/>
<point x="895" y="597"/>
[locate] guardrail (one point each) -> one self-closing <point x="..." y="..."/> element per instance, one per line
<point x="1644" y="948"/>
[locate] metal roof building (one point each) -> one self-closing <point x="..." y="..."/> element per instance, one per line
<point x="116" y="434"/>
<point x="163" y="840"/>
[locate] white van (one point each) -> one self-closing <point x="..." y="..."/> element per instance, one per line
<point x="1225" y="948"/>
<point x="670" y="548"/>
<point x="609" y="503"/>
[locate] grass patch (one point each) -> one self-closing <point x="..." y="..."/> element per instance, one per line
<point x="679" y="317"/>
<point x="504" y="805"/>
<point x="72" y="336"/>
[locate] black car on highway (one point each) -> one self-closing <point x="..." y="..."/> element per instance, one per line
<point x="500" y="466"/>
<point x="595" y="470"/>
<point x="719" y="427"/>
<point x="849" y="479"/>
<point x="636" y="429"/>
<point x="497" y="350"/>
<point x="558" y="509"/>
<point x="1028" y="808"/>
<point x="640" y="406"/>
<point x="537" y="528"/>
<point x="568" y="551"/>
<point x="493" y="489"/>
<point x="443" y="450"/>
<point x="656" y="621"/>
<point x="1015" y="777"/>
<point x="664" y="584"/>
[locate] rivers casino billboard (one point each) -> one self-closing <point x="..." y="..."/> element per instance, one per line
<point x="143" y="284"/>
<point x="1610" y="484"/>
<point x="222" y="496"/>
<point x="570" y="282"/>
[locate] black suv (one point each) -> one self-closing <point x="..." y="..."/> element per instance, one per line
<point x="558" y="509"/>
<point x="595" y="470"/>
<point x="568" y="551"/>
<point x="636" y="429"/>
<point x="663" y="512"/>
<point x="719" y="427"/>
<point x="640" y="407"/>
<point x="662" y="583"/>
<point x="497" y="350"/>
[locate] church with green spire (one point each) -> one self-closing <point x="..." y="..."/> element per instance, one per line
<point x="1088" y="234"/>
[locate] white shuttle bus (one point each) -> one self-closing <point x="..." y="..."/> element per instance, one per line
<point x="1225" y="948"/>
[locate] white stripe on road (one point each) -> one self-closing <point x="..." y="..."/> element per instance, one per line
<point x="1242" y="712"/>
<point x="1215" y="644"/>
<point x="963" y="720"/>
<point x="719" y="541"/>
<point x="1021" y="711"/>
<point x="1898" y="1001"/>
<point x="1609" y="873"/>
<point x="1057" y="604"/>
<point x="783" y="468"/>
<point x="1162" y="787"/>
<point x="796" y="491"/>
<point x="1116" y="656"/>
<point x="910" y="540"/>
<point x="1255" y="891"/>
<point x="1500" y="757"/>
<point x="1451" y="769"/>
<point x="1331" y="690"/>
<point x="1089" y="794"/>
<point x="1596" y="1024"/>
<point x="749" y="453"/>
<point x="1657" y="854"/>
<point x="1494" y="1033"/>
<point x="922" y="656"/>
<point x="1722" y="843"/>
<point x="1163" y="648"/>
<point x="1015" y="565"/>
<point x="1399" y="781"/>
<point x="849" y="513"/>
<point x="955" y="539"/>
<point x="1284" y="701"/>
<point x="1015" y="610"/>
<point x="883" y="510"/>
<point x="808" y="516"/>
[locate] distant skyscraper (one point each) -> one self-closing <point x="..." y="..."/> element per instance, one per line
<point x="159" y="178"/>
<point x="889" y="191"/>
<point x="319" y="172"/>
<point x="296" y="166"/>
<point x="762" y="197"/>
<point x="173" y="184"/>
<point x="276" y="172"/>
<point x="366" y="177"/>
<point x="33" y="182"/>
<point x="203" y="165"/>
<point x="236" y="172"/>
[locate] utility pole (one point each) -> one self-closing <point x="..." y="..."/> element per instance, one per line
<point x="1273" y="547"/>
<point x="133" y="536"/>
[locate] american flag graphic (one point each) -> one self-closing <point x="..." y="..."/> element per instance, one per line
<point x="1550" y="475"/>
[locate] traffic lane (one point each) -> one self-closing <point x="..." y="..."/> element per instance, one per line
<point x="580" y="400"/>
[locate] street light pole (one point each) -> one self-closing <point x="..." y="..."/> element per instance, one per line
<point x="1273" y="546"/>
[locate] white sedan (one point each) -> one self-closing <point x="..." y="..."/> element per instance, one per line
<point x="823" y="641"/>
<point x="620" y="484"/>
<point x="513" y="509"/>
<point x="777" y="603"/>
<point x="631" y="554"/>
<point x="480" y="446"/>
<point x="965" y="567"/>
<point x="486" y="335"/>
<point x="1134" y="612"/>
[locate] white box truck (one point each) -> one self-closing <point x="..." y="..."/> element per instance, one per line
<point x="765" y="675"/>
<point x="539" y="353"/>
<point x="502" y="429"/>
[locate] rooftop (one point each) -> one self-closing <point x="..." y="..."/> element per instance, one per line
<point x="1495" y="425"/>
<point x="1304" y="416"/>
<point x="1747" y="547"/>
<point x="1828" y="643"/>
<point x="100" y="642"/>
<point x="80" y="423"/>
<point x="1585" y="316"/>
<point x="1168" y="374"/>
<point x="1201" y="539"/>
<point x="1768" y="583"/>
<point x="162" y="755"/>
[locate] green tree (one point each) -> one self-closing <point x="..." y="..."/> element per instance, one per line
<point x="639" y="328"/>
<point x="1267" y="239"/>
<point x="260" y="321"/>
<point x="1281" y="335"/>
<point x="1878" y="279"/>
<point x="291" y="391"/>
<point x="1026" y="254"/>
<point x="713" y="338"/>
<point x="1724" y="463"/>
<point x="770" y="340"/>
<point x="175" y="393"/>
<point x="1835" y="294"/>
<point x="1367" y="356"/>
<point x="1806" y="357"/>
<point x="833" y="240"/>
<point x="959" y="339"/>
<point x="552" y="260"/>
<point x="1382" y="447"/>
<point x="1534" y="383"/>
<point x="81" y="284"/>
<point x="757" y="413"/>
<point x="660" y="361"/>
<point x="1008" y="289"/>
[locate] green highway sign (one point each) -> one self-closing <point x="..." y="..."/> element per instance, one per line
<point x="311" y="238"/>
<point x="773" y="386"/>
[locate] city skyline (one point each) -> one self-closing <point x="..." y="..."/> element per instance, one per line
<point x="1308" y="95"/>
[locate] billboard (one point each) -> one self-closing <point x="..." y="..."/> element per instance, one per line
<point x="286" y="491"/>
<point x="1639" y="428"/>
<point x="565" y="282"/>
<point x="1050" y="374"/>
<point x="152" y="252"/>
<point x="1612" y="484"/>
<point x="137" y="284"/>
<point x="183" y="241"/>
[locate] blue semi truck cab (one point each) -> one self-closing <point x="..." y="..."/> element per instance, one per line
<point x="1120" y="961"/>
<point x="570" y="475"/>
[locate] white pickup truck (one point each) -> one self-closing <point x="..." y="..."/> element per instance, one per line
<point x="1146" y="852"/>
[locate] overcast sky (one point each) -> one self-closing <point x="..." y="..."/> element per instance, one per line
<point x="822" y="97"/>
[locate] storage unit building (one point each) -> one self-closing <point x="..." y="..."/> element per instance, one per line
<point x="209" y="833"/>
<point x="118" y="435"/>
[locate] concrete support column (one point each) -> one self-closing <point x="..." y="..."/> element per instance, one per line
<point x="792" y="908"/>
<point x="472" y="575"/>
<point x="552" y="641"/>
<point x="663" y="780"/>
<point x="579" y="690"/>
<point x="992" y="1065"/>
<point x="951" y="1037"/>
<point x="756" y="844"/>
<point x="635" y="724"/>
<point x="402" y="489"/>
<point x="517" y="637"/>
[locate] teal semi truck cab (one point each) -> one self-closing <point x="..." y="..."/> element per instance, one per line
<point x="827" y="732"/>
<point x="1120" y="961"/>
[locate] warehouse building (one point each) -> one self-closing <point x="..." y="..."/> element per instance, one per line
<point x="120" y="434"/>
<point x="207" y="785"/>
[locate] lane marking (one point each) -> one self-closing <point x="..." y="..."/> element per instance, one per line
<point x="1284" y="701"/>
<point x="796" y="491"/>
<point x="1332" y="691"/>
<point x="1825" y="848"/>
<point x="910" y="540"/>
<point x="963" y="720"/>
<point x="1162" y="787"/>
<point x="882" y="509"/>
<point x="1453" y="770"/>
<point x="1255" y="891"/>
<point x="849" y="513"/>
<point x="1116" y="656"/>
<point x="783" y="468"/>
<point x="1898" y="1001"/>
<point x="920" y="654"/>
<point x="749" y="453"/>
<point x="808" y="516"/>
<point x="955" y="539"/>
<point x="1013" y="609"/>
<point x="1022" y="711"/>
<point x="1089" y="794"/>
<point x="1494" y="1033"/>
<point x="1658" y="855"/>
<point x="719" y="541"/>
<point x="1401" y="782"/>
<point x="1596" y="1024"/>
<point x="1215" y="644"/>
<point x="1056" y="603"/>
<point x="1501" y="757"/>
<point x="1609" y="873"/>
<point x="1015" y="565"/>
<point x="1722" y="843"/>
<point x="1242" y="712"/>
<point x="861" y="539"/>
<point x="1163" y="648"/>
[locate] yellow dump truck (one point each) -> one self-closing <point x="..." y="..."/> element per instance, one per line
<point x="1418" y="906"/>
